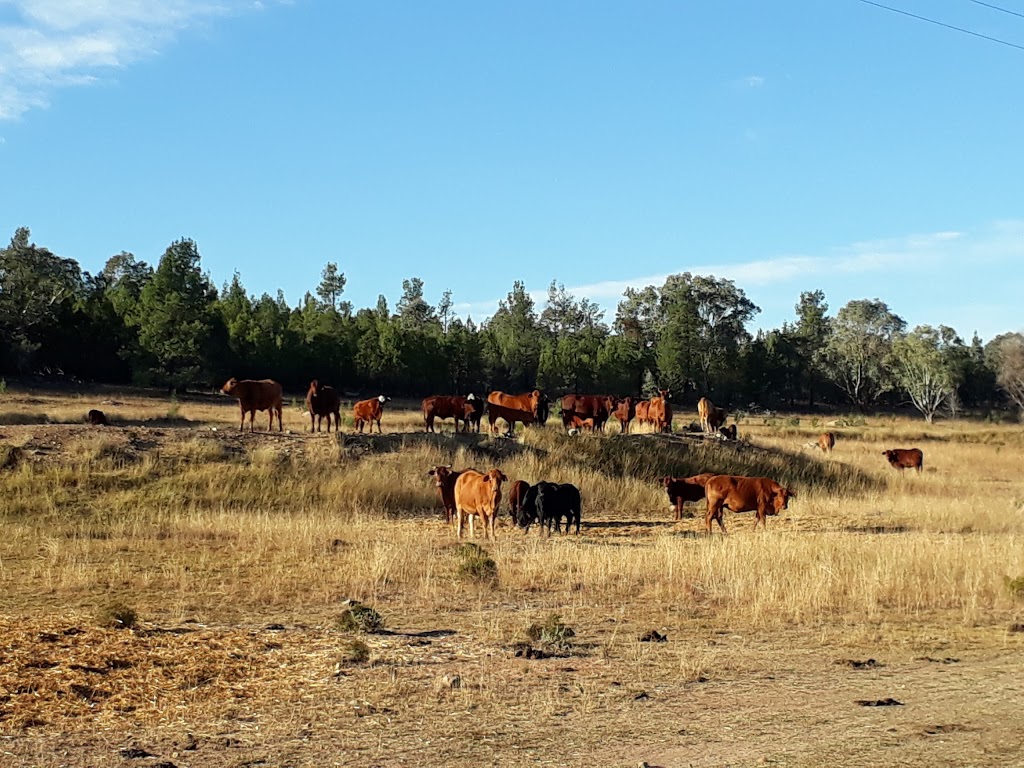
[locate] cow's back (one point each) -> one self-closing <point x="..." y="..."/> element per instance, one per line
<point x="259" y="395"/>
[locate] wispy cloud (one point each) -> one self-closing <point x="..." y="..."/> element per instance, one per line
<point x="909" y="257"/>
<point x="46" y="45"/>
<point x="753" y="81"/>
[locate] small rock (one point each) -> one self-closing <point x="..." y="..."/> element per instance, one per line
<point x="450" y="681"/>
<point x="654" y="636"/>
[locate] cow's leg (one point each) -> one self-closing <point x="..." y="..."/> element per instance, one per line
<point x="241" y="427"/>
<point x="714" y="509"/>
<point x="472" y="533"/>
<point x="312" y="421"/>
<point x="458" y="521"/>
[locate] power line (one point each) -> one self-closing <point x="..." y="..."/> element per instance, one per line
<point x="943" y="24"/>
<point x="997" y="8"/>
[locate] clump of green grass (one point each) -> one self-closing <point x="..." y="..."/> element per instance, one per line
<point x="552" y="632"/>
<point x="10" y="456"/>
<point x="3" y="386"/>
<point x="117" y="615"/>
<point x="1014" y="586"/>
<point x="360" y="618"/>
<point x="476" y="565"/>
<point x="353" y="652"/>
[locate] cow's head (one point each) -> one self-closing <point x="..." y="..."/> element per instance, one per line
<point x="229" y="386"/>
<point x="542" y="409"/>
<point x="665" y="393"/>
<point x="442" y="475"/>
<point x="471" y="397"/>
<point x="383" y="399"/>
<point x="528" y="508"/>
<point x="780" y="499"/>
<point x="314" y="387"/>
<point x="494" y="479"/>
<point x="890" y="455"/>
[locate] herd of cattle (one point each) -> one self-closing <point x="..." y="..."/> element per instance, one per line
<point x="469" y="494"/>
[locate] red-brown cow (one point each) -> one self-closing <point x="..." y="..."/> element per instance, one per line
<point x="744" y="494"/>
<point x="711" y="418"/>
<point x="369" y="411"/>
<point x="904" y="458"/>
<point x="581" y="424"/>
<point x="625" y="412"/>
<point x="684" y="489"/>
<point x="478" y="494"/>
<point x="516" y="495"/>
<point x="826" y="441"/>
<point x="252" y="396"/>
<point x="596" y="407"/>
<point x="444" y="479"/>
<point x="323" y="400"/>
<point x="660" y="411"/>
<point x="643" y="412"/>
<point x="513" y="408"/>
<point x="446" y="407"/>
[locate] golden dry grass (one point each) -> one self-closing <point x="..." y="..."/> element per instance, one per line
<point x="219" y="533"/>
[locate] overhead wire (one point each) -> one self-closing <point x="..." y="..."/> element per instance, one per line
<point x="943" y="24"/>
<point x="997" y="8"/>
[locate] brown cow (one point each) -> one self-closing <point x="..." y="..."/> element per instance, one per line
<point x="711" y="418"/>
<point x="478" y="494"/>
<point x="643" y="412"/>
<point x="826" y="441"/>
<point x="582" y="425"/>
<point x="368" y="411"/>
<point x="902" y="458"/>
<point x="660" y="411"/>
<point x="444" y="479"/>
<point x="513" y="408"/>
<point x="625" y="412"/>
<point x="684" y="489"/>
<point x="96" y="418"/>
<point x="516" y="495"/>
<point x="252" y="396"/>
<point x="323" y="400"/>
<point x="446" y="407"/>
<point x="596" y="407"/>
<point x="744" y="494"/>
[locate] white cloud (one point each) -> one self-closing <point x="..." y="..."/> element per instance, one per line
<point x="753" y="81"/>
<point x="52" y="44"/>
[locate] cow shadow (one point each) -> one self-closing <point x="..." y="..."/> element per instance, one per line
<point x="481" y="446"/>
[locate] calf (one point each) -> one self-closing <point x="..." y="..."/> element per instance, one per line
<point x="683" y="489"/>
<point x="826" y="441"/>
<point x="729" y="433"/>
<point x="902" y="458"/>
<point x="96" y="418"/>
<point x="516" y="496"/>
<point x="478" y="494"/>
<point x="445" y="479"/>
<point x="744" y="494"/>
<point x="547" y="503"/>
<point x="369" y="411"/>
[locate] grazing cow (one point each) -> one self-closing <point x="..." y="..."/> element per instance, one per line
<point x="744" y="494"/>
<point x="478" y="494"/>
<point x="684" y="489"/>
<point x="826" y="441"/>
<point x="472" y="413"/>
<point x="625" y="412"/>
<point x="368" y="411"/>
<point x="729" y="433"/>
<point x="323" y="400"/>
<point x="596" y="407"/>
<point x="547" y="503"/>
<point x="446" y="407"/>
<point x="516" y="496"/>
<point x="252" y="396"/>
<point x="902" y="458"/>
<point x="660" y="411"/>
<point x="512" y="408"/>
<point x="445" y="479"/>
<point x="96" y="418"/>
<point x="711" y="418"/>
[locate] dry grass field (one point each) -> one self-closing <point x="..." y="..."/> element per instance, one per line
<point x="237" y="552"/>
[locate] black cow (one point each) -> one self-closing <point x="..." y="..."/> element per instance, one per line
<point x="547" y="503"/>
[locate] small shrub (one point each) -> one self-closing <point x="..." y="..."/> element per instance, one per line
<point x="117" y="615"/>
<point x="174" y="411"/>
<point x="353" y="652"/>
<point x="360" y="618"/>
<point x="551" y="632"/>
<point x="3" y="386"/>
<point x="793" y="421"/>
<point x="10" y="456"/>
<point x="477" y="564"/>
<point x="1014" y="586"/>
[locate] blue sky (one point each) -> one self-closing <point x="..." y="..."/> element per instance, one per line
<point x="787" y="145"/>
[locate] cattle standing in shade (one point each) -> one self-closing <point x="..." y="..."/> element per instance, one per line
<point x="711" y="418"/>
<point x="444" y="479"/>
<point x="683" y="489"/>
<point x="744" y="494"/>
<point x="323" y="400"/>
<point x="369" y="411"/>
<point x="826" y="441"/>
<point x="516" y="496"/>
<point x="478" y="494"/>
<point x="904" y="458"/>
<point x="446" y="407"/>
<point x="625" y="412"/>
<point x="512" y="408"/>
<point x="96" y="418"/>
<point x="547" y="503"/>
<point x="252" y="396"/>
<point x="583" y="407"/>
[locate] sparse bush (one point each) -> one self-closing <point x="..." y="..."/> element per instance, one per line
<point x="551" y="632"/>
<point x="477" y="564"/>
<point x="793" y="421"/>
<point x="10" y="456"/>
<point x="3" y="386"/>
<point x="360" y="618"/>
<point x="1014" y="586"/>
<point x="117" y="615"/>
<point x="353" y="652"/>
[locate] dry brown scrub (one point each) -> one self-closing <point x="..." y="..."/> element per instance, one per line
<point x="234" y="531"/>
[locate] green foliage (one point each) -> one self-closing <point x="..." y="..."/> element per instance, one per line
<point x="859" y="352"/>
<point x="929" y="366"/>
<point x="117" y="615"/>
<point x="360" y="618"/>
<point x="476" y="565"/>
<point x="353" y="652"/>
<point x="3" y="386"/>
<point x="552" y="632"/>
<point x="1014" y="586"/>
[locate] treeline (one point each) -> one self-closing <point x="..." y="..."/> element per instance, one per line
<point x="168" y="325"/>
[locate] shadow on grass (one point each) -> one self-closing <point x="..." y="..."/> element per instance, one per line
<point x="479" y="446"/>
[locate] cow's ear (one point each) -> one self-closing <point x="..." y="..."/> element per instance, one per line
<point x="504" y="477"/>
<point x="667" y="481"/>
<point x="432" y="472"/>
<point x="792" y="494"/>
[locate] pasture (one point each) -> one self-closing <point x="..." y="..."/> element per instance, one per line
<point x="237" y="553"/>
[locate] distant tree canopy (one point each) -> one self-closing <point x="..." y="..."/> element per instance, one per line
<point x="169" y="326"/>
